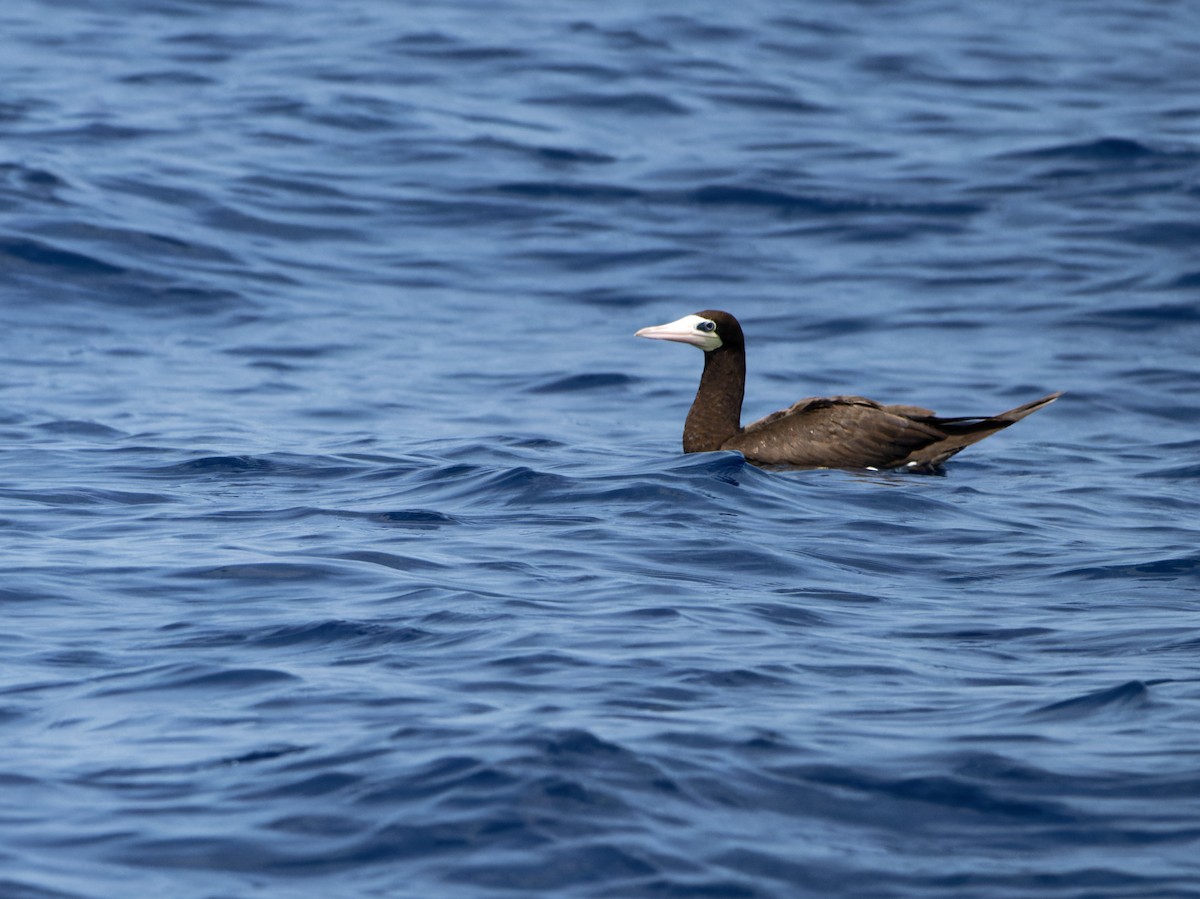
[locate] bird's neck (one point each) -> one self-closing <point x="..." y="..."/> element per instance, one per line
<point x="716" y="413"/>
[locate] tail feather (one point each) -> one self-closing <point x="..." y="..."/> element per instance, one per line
<point x="1003" y="419"/>
<point x="962" y="432"/>
<point x="1021" y="411"/>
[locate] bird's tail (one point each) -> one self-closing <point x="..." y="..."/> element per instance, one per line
<point x="1021" y="411"/>
<point x="962" y="432"/>
<point x="970" y="423"/>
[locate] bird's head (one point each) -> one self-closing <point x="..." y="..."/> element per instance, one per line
<point x="710" y="330"/>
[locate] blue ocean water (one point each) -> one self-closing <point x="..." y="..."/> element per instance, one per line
<point x="348" y="545"/>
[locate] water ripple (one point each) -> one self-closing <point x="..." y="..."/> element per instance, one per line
<point x="349" y="545"/>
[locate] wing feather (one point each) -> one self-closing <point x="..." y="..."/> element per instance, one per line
<point x="837" y="432"/>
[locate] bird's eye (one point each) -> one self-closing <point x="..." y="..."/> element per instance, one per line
<point x="707" y="326"/>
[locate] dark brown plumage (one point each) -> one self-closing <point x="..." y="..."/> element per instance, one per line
<point x="818" y="432"/>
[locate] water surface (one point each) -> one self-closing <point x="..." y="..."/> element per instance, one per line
<point x="349" y="549"/>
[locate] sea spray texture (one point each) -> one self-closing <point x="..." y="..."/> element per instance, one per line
<point x="347" y="545"/>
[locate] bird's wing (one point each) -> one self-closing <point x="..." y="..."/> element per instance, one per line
<point x="836" y="432"/>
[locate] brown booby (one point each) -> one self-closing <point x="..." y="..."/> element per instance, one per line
<point x="818" y="432"/>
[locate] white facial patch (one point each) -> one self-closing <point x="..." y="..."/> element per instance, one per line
<point x="693" y="329"/>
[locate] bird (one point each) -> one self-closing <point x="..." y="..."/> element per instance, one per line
<point x="847" y="432"/>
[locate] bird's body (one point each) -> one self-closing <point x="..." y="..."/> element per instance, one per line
<point x="819" y="432"/>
